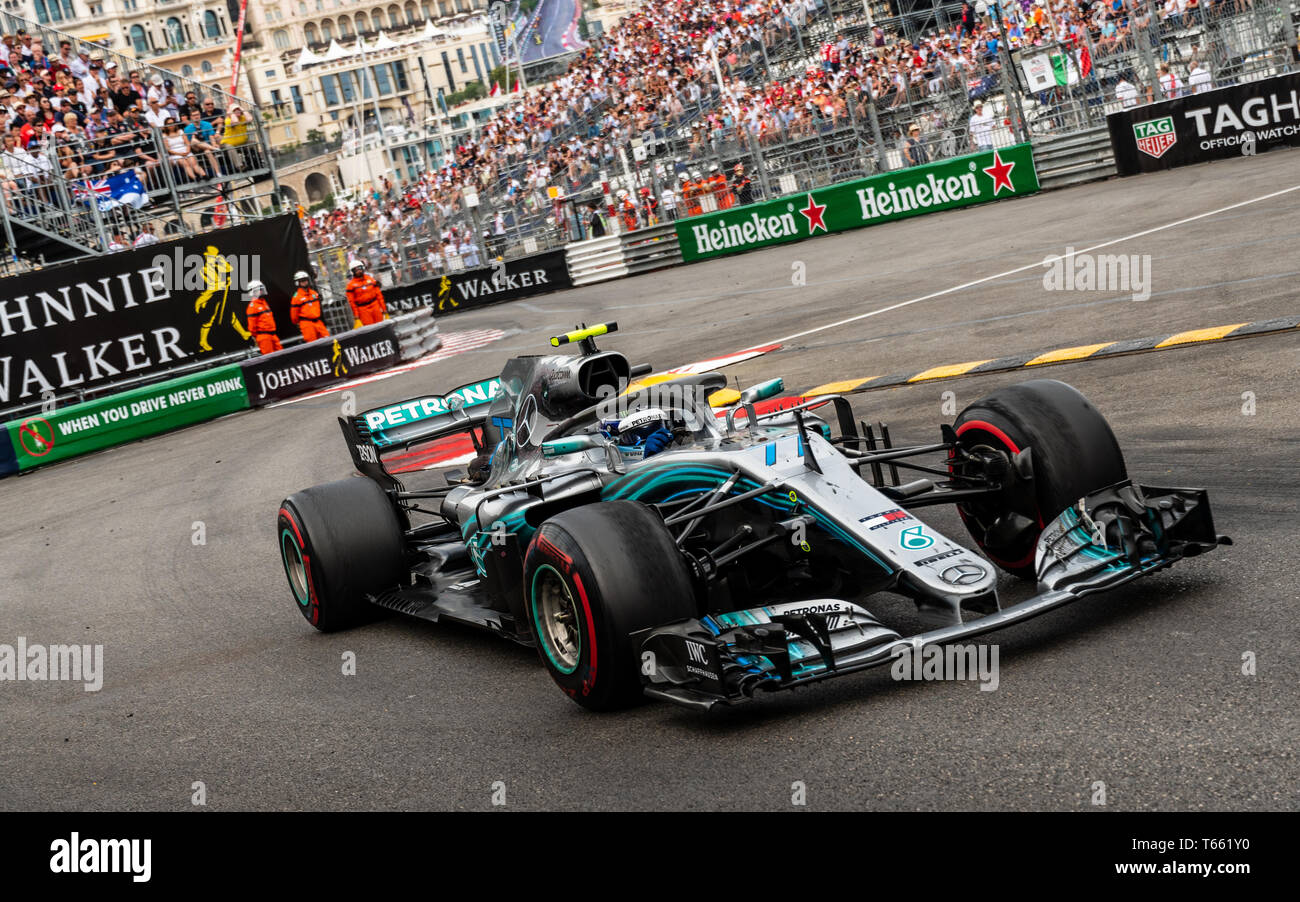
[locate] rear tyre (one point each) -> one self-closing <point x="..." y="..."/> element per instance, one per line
<point x="338" y="542"/>
<point x="592" y="576"/>
<point x="1074" y="453"/>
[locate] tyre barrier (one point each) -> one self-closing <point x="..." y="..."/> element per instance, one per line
<point x="417" y="334"/>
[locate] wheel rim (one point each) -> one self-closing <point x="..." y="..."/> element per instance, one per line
<point x="983" y="514"/>
<point x="294" y="566"/>
<point x="555" y="617"/>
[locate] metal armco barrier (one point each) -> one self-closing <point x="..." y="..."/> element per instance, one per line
<point x="650" y="249"/>
<point x="1065" y="160"/>
<point x="417" y="334"/>
<point x="615" y="256"/>
<point x="65" y="432"/>
<point x="596" y="260"/>
<point x="283" y="374"/>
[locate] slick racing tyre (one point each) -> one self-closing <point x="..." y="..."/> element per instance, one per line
<point x="592" y="575"/>
<point x="1073" y="454"/>
<point x="339" y="541"/>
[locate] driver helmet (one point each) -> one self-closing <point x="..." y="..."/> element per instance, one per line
<point x="636" y="427"/>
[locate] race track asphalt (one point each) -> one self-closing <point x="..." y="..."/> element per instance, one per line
<point x="212" y="676"/>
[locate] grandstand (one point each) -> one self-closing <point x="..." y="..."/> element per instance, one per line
<point x="104" y="151"/>
<point x="799" y="93"/>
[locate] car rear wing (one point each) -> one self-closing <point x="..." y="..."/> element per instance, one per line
<point x="404" y="423"/>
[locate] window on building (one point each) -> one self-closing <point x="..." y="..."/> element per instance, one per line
<point x="327" y="31"/>
<point x="296" y="94"/>
<point x="363" y="24"/>
<point x="211" y="24"/>
<point x="460" y="58"/>
<point x="394" y="17"/>
<point x="412" y="14"/>
<point x="206" y="66"/>
<point x="187" y="70"/>
<point x="175" y="33"/>
<point x="383" y="81"/>
<point x="399" y="70"/>
<point x="310" y="34"/>
<point x="48" y="11"/>
<point x="345" y="27"/>
<point x="139" y="40"/>
<point x="281" y="38"/>
<point x="446" y="67"/>
<point x="329" y="88"/>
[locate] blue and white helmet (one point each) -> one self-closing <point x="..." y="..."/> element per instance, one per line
<point x="639" y="425"/>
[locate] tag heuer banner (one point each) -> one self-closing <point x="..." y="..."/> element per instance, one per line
<point x="958" y="182"/>
<point x="499" y="281"/>
<point x="1241" y="120"/>
<point x="127" y="314"/>
<point x="283" y="374"/>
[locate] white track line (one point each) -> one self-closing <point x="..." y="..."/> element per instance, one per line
<point x="1037" y="263"/>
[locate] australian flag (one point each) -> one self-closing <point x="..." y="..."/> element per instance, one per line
<point x="125" y="188"/>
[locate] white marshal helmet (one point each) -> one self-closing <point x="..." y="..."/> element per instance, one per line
<point x="256" y="289"/>
<point x="355" y="264"/>
<point x="300" y="275"/>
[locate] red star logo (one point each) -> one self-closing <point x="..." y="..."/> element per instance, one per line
<point x="814" y="212"/>
<point x="1000" y="172"/>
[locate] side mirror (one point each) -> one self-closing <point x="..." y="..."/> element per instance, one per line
<point x="762" y="391"/>
<point x="558" y="447"/>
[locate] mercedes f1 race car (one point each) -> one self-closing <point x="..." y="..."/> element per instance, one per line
<point x="673" y="538"/>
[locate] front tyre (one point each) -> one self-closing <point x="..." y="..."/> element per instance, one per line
<point x="339" y="542"/>
<point x="592" y="576"/>
<point x="1074" y="453"/>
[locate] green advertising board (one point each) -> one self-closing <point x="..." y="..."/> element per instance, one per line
<point x="64" y="432"/>
<point x="945" y="185"/>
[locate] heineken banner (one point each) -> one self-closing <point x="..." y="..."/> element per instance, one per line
<point x="283" y="374"/>
<point x="1241" y="120"/>
<point x="500" y="281"/>
<point x="958" y="182"/>
<point x="120" y="316"/>
<point x="65" y="432"/>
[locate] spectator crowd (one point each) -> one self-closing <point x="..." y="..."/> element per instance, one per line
<point x="73" y="117"/>
<point x="684" y="70"/>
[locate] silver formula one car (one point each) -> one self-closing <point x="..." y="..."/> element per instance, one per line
<point x="650" y="542"/>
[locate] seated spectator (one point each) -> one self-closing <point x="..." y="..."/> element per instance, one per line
<point x="179" y="153"/>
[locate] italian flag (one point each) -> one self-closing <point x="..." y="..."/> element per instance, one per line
<point x="1069" y="67"/>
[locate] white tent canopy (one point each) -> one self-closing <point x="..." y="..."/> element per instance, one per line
<point x="336" y="52"/>
<point x="307" y="58"/>
<point x="384" y="42"/>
